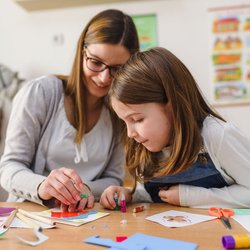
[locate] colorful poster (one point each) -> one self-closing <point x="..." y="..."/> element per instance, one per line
<point x="230" y="54"/>
<point x="147" y="30"/>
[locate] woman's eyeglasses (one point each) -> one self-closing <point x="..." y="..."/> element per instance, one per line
<point x="98" y="66"/>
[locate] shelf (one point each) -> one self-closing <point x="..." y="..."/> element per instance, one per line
<point x="36" y="5"/>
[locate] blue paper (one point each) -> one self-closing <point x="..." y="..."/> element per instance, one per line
<point x="79" y="217"/>
<point x="140" y="241"/>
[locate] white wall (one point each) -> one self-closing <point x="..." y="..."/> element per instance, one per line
<point x="27" y="44"/>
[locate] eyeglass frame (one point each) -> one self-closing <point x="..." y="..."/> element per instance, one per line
<point x="87" y="58"/>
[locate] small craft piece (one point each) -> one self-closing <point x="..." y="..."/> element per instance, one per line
<point x="138" y="209"/>
<point x="84" y="195"/>
<point x="121" y="238"/>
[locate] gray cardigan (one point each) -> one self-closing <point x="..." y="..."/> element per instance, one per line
<point x="22" y="166"/>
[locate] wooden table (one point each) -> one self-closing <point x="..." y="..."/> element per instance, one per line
<point x="207" y="234"/>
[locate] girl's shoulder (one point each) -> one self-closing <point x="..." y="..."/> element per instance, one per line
<point x="213" y="128"/>
<point x="212" y="123"/>
<point x="216" y="130"/>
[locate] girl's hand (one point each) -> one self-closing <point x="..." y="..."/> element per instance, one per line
<point x="107" y="198"/>
<point x="171" y="195"/>
<point x="63" y="184"/>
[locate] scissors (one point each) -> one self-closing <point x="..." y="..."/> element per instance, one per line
<point x="222" y="214"/>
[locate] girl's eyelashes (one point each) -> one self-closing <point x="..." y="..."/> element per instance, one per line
<point x="137" y="120"/>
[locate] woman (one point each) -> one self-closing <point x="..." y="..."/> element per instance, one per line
<point x="62" y="144"/>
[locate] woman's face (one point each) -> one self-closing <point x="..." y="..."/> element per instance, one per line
<point x="97" y="56"/>
<point x="150" y="124"/>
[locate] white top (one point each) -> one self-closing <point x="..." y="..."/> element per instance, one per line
<point x="229" y="150"/>
<point x="87" y="157"/>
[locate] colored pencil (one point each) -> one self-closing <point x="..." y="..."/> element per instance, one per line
<point x="10" y="219"/>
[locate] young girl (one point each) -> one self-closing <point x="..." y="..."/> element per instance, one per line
<point x="61" y="141"/>
<point x="182" y="151"/>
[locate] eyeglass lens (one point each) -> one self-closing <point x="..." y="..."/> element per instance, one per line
<point x="98" y="66"/>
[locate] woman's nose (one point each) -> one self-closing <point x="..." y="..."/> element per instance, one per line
<point x="104" y="76"/>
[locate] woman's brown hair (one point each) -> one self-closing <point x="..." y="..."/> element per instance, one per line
<point x="159" y="76"/>
<point x="108" y="27"/>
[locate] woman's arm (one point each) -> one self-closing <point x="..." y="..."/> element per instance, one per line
<point x="31" y="107"/>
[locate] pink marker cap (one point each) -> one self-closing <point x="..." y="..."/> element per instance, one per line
<point x="123" y="204"/>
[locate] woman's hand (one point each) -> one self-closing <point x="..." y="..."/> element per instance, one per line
<point x="87" y="201"/>
<point x="65" y="185"/>
<point x="107" y="198"/>
<point x="171" y="195"/>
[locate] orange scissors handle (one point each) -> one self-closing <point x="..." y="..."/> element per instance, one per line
<point x="220" y="212"/>
<point x="223" y="214"/>
<point x="227" y="212"/>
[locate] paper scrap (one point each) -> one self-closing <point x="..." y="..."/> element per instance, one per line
<point x="40" y="239"/>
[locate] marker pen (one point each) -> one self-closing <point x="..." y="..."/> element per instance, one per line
<point x="123" y="203"/>
<point x="236" y="241"/>
<point x="117" y="207"/>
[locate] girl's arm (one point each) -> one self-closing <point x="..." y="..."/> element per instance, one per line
<point x="229" y="149"/>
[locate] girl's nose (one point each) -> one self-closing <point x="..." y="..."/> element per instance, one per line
<point x="104" y="76"/>
<point x="131" y="133"/>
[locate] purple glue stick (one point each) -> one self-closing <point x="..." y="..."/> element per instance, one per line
<point x="236" y="241"/>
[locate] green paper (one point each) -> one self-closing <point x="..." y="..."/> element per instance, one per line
<point x="241" y="211"/>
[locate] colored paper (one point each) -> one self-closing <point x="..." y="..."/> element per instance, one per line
<point x="140" y="241"/>
<point x="6" y="210"/>
<point x="74" y="219"/>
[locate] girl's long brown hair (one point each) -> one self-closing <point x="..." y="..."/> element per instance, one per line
<point x="158" y="76"/>
<point x="110" y="27"/>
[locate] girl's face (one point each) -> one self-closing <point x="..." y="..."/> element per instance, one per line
<point x="150" y="124"/>
<point x="98" y="57"/>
